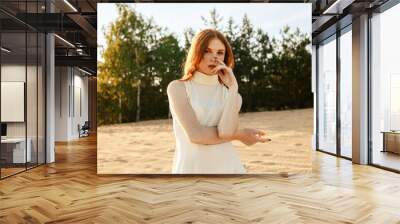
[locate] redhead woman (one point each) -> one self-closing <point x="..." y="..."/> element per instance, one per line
<point x="205" y="106"/>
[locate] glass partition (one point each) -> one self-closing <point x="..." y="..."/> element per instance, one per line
<point x="22" y="89"/>
<point x="327" y="95"/>
<point x="385" y="89"/>
<point x="31" y="100"/>
<point x="13" y="109"/>
<point x="41" y="86"/>
<point x="346" y="93"/>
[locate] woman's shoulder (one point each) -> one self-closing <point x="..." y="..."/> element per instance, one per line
<point x="176" y="87"/>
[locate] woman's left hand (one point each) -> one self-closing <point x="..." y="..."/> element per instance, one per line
<point x="226" y="75"/>
<point x="250" y="136"/>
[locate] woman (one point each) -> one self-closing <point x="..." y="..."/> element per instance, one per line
<point x="205" y="106"/>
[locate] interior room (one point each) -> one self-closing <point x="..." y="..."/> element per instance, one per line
<point x="22" y="100"/>
<point x="335" y="51"/>
<point x="45" y="84"/>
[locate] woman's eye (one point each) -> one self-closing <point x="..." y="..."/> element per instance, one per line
<point x="220" y="53"/>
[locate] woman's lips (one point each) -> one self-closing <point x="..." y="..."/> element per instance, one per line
<point x="212" y="66"/>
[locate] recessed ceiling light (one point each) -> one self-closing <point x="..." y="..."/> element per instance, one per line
<point x="70" y="5"/>
<point x="86" y="72"/>
<point x="64" y="40"/>
<point x="5" y="49"/>
<point x="338" y="6"/>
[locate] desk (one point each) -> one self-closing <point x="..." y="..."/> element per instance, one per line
<point x="391" y="141"/>
<point x="16" y="148"/>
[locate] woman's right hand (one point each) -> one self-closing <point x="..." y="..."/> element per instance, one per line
<point x="250" y="136"/>
<point x="226" y="75"/>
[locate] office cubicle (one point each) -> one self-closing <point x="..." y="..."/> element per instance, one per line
<point x="22" y="77"/>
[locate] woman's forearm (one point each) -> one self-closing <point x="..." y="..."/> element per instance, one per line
<point x="230" y="116"/>
<point x="209" y="136"/>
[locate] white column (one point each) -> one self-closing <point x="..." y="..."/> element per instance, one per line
<point x="360" y="90"/>
<point x="50" y="110"/>
<point x="314" y="91"/>
<point x="50" y="93"/>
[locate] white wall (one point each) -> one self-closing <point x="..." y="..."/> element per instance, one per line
<point x="62" y="80"/>
<point x="71" y="87"/>
<point x="80" y="83"/>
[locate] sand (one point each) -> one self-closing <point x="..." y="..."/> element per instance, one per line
<point x="148" y="147"/>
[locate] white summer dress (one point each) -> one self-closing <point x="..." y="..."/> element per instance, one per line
<point x="206" y="96"/>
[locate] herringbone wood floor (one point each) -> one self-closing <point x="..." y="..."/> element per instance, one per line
<point x="69" y="191"/>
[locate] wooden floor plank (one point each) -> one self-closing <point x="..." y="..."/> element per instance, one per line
<point x="70" y="191"/>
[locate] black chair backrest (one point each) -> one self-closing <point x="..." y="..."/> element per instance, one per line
<point x="86" y="125"/>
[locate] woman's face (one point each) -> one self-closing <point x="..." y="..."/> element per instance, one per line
<point x="215" y="51"/>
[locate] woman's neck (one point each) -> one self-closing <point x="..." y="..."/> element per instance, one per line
<point x="205" y="79"/>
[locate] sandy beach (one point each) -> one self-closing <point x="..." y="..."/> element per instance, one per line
<point x="148" y="147"/>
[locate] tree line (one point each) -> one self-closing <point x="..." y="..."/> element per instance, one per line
<point x="141" y="59"/>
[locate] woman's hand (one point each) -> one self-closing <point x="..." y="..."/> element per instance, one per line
<point x="226" y="75"/>
<point x="251" y="136"/>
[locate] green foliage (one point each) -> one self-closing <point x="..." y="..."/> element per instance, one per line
<point x="142" y="58"/>
<point x="214" y="21"/>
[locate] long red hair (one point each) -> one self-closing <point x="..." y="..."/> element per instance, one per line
<point x="199" y="45"/>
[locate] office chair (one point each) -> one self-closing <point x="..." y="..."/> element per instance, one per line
<point x="84" y="130"/>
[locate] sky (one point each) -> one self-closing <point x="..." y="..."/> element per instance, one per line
<point x="270" y="17"/>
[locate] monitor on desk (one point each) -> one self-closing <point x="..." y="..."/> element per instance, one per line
<point x="3" y="130"/>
